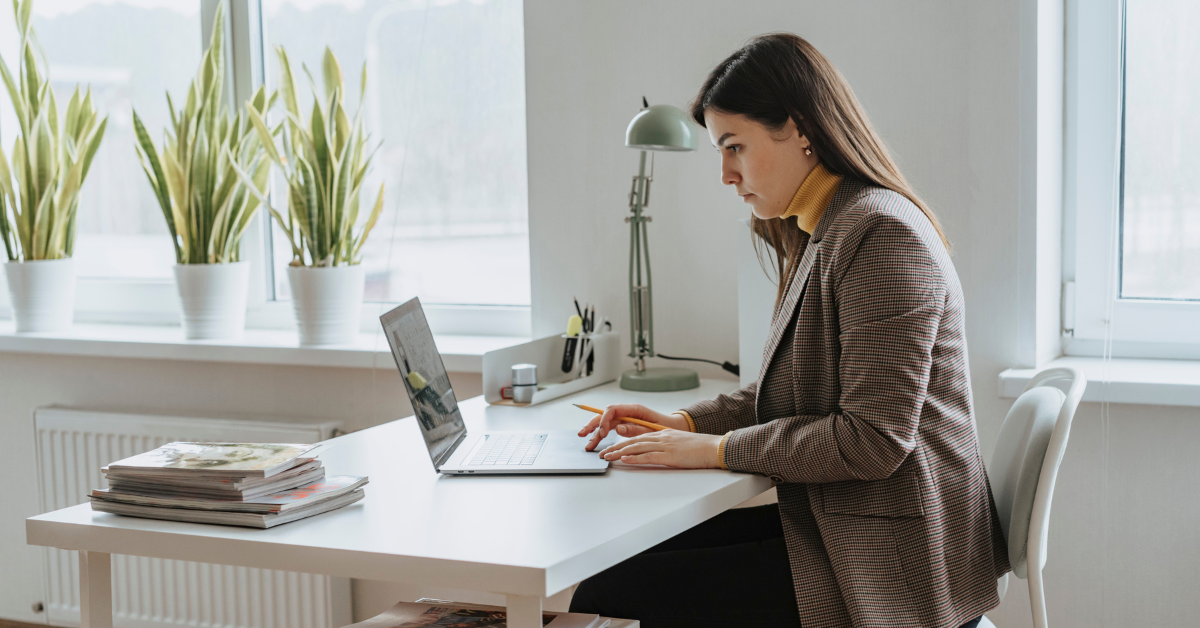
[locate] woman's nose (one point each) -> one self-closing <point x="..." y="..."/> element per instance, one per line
<point x="729" y="175"/>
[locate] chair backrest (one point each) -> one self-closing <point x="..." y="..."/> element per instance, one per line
<point x="1025" y="462"/>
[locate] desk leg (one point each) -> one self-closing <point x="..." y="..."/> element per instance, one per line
<point x="95" y="590"/>
<point x="524" y="611"/>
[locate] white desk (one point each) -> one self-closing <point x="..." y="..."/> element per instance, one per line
<point x="525" y="537"/>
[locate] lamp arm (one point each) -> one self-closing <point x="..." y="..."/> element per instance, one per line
<point x="636" y="292"/>
<point x="649" y="322"/>
<point x="635" y="329"/>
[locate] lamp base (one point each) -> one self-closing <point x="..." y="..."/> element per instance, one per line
<point x="660" y="379"/>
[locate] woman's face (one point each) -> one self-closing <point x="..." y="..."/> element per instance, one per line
<point x="765" y="167"/>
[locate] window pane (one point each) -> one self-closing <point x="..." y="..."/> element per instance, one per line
<point x="130" y="52"/>
<point x="1161" y="204"/>
<point x="446" y="95"/>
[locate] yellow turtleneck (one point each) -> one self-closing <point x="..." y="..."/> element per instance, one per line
<point x="812" y="198"/>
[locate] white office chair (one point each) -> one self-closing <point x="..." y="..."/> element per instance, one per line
<point x="1024" y="466"/>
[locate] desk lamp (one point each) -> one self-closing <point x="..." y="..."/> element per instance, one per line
<point x="661" y="127"/>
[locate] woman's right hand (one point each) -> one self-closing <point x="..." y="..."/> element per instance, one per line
<point x="604" y="423"/>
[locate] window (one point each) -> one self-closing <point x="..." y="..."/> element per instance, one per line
<point x="1160" y="200"/>
<point x="121" y="230"/>
<point x="445" y="97"/>
<point x="1133" y="178"/>
<point x="446" y="94"/>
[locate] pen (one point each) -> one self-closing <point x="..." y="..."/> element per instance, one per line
<point x="574" y="325"/>
<point x="591" y="328"/>
<point x="653" y="426"/>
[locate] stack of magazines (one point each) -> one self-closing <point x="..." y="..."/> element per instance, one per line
<point x="258" y="485"/>
<point x="430" y="613"/>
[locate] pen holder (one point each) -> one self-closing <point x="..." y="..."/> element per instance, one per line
<point x="576" y="350"/>
<point x="547" y="354"/>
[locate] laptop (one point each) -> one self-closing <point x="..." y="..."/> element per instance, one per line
<point x="454" y="451"/>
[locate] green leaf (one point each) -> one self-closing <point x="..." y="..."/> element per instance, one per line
<point x="375" y="211"/>
<point x="264" y="136"/>
<point x="320" y="141"/>
<point x="342" y="136"/>
<point x="362" y="86"/>
<point x="52" y="118"/>
<point x="70" y="123"/>
<point x="40" y="234"/>
<point x="33" y="80"/>
<point x="44" y="153"/>
<point x="14" y="94"/>
<point x="332" y="71"/>
<point x="23" y="9"/>
<point x="216" y="41"/>
<point x="174" y="117"/>
<point x="5" y="182"/>
<point x="93" y="145"/>
<point x="287" y="82"/>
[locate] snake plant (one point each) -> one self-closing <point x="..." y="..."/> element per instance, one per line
<point x="325" y="162"/>
<point x="195" y="176"/>
<point x="39" y="193"/>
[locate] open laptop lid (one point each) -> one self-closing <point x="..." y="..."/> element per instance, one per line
<point x="425" y="379"/>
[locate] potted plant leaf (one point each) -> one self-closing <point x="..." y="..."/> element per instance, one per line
<point x="204" y="201"/>
<point x="39" y="186"/>
<point x="325" y="162"/>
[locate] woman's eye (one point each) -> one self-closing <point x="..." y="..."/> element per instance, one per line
<point x="733" y="148"/>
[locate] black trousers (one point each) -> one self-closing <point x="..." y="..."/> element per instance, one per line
<point x="730" y="571"/>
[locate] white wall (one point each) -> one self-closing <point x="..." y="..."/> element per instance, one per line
<point x="942" y="82"/>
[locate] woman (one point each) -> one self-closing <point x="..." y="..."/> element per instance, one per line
<point x="862" y="412"/>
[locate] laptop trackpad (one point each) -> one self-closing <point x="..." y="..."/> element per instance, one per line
<point x="566" y="450"/>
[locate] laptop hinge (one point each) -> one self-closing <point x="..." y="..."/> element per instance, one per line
<point x="449" y="451"/>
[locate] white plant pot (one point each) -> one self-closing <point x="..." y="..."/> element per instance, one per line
<point x="213" y="297"/>
<point x="328" y="302"/>
<point x="42" y="293"/>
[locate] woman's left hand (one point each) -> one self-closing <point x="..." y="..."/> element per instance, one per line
<point x="673" y="448"/>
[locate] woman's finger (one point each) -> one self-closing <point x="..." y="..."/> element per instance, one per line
<point x="591" y="425"/>
<point x="606" y="424"/>
<point x="652" y="457"/>
<point x="636" y="445"/>
<point x="632" y="429"/>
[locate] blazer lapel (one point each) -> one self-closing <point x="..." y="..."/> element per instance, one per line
<point x="847" y="191"/>
<point x="797" y="280"/>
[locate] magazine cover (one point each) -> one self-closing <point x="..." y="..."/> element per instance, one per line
<point x="444" y="617"/>
<point x="251" y="459"/>
<point x="275" y="502"/>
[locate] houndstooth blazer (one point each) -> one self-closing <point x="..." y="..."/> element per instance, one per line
<point x="862" y="414"/>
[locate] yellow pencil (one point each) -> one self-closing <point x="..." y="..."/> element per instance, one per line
<point x="653" y="426"/>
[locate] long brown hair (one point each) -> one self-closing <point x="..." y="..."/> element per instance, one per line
<point x="780" y="76"/>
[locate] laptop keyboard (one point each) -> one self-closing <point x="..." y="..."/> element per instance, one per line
<point x="509" y="449"/>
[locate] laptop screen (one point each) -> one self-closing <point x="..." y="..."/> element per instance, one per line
<point x="424" y="377"/>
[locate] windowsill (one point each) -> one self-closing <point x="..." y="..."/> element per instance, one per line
<point x="460" y="353"/>
<point x="1133" y="381"/>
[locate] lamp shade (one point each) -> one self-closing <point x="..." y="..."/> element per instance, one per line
<point x="661" y="127"/>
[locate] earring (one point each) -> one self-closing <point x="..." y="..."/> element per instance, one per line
<point x="808" y="151"/>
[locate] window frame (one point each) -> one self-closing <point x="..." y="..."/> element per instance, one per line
<point x="156" y="301"/>
<point x="1093" y="150"/>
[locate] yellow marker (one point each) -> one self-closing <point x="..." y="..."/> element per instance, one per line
<point x="416" y="381"/>
<point x="653" y="426"/>
<point x="574" y="325"/>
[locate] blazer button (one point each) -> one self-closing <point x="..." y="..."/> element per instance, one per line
<point x="776" y="479"/>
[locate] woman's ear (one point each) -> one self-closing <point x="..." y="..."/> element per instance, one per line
<point x="789" y="131"/>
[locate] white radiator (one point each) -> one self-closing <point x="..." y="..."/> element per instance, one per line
<point x="154" y="593"/>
